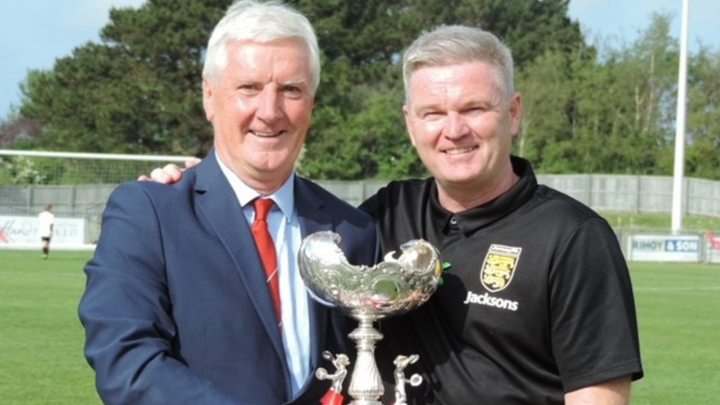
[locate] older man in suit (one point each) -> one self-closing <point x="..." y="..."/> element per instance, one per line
<point x="183" y="303"/>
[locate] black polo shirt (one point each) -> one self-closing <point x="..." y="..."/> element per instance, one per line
<point x="537" y="301"/>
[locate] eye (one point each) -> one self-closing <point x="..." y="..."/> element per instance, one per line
<point x="475" y="110"/>
<point x="292" y="91"/>
<point x="248" y="88"/>
<point x="431" y="114"/>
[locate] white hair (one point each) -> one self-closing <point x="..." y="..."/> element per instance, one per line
<point x="249" y="20"/>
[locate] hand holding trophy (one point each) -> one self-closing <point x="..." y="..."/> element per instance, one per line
<point x="368" y="294"/>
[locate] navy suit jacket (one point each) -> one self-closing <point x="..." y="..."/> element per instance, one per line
<point x="176" y="308"/>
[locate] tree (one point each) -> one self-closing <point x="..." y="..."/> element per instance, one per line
<point x="139" y="90"/>
<point x="703" y="116"/>
<point x="615" y="112"/>
<point x="18" y="131"/>
<point x="530" y="28"/>
<point x="358" y="127"/>
<point x="546" y="137"/>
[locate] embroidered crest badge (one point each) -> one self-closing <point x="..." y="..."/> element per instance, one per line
<point x="499" y="266"/>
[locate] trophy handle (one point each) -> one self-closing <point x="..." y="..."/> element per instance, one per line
<point x="334" y="395"/>
<point x="401" y="362"/>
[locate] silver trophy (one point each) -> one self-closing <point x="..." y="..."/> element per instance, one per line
<point x="395" y="286"/>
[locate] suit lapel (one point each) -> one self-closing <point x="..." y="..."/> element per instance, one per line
<point x="217" y="202"/>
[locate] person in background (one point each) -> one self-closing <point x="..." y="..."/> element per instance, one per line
<point x="537" y="304"/>
<point x="45" y="228"/>
<point x="193" y="295"/>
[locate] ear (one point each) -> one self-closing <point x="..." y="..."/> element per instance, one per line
<point x="408" y="124"/>
<point x="515" y="114"/>
<point x="208" y="104"/>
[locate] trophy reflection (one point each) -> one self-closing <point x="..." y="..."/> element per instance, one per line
<point x="367" y="294"/>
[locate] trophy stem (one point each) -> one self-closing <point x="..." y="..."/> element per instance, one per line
<point x="366" y="385"/>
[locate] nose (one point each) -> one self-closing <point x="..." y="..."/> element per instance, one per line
<point x="269" y="105"/>
<point x="455" y="126"/>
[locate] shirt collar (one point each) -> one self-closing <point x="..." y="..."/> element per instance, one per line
<point x="283" y="197"/>
<point x="483" y="215"/>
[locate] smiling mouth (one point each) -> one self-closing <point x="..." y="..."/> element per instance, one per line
<point x="267" y="134"/>
<point x="460" y="151"/>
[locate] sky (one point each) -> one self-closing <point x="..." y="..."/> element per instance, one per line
<point x="34" y="33"/>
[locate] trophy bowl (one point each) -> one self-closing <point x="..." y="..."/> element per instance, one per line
<point x="394" y="286"/>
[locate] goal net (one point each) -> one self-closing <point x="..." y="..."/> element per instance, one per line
<point x="76" y="184"/>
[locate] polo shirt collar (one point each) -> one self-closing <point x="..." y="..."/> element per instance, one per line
<point x="484" y="215"/>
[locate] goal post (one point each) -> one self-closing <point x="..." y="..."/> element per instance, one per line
<point x="72" y="168"/>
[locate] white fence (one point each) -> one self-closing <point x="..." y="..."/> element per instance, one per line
<point x="648" y="194"/>
<point x="605" y="193"/>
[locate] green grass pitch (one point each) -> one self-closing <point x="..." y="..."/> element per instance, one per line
<point x="41" y="338"/>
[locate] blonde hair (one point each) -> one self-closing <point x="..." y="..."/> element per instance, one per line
<point x="455" y="44"/>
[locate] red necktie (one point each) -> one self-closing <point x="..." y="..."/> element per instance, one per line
<point x="266" y="247"/>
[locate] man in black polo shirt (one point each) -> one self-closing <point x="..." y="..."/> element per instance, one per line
<point x="537" y="305"/>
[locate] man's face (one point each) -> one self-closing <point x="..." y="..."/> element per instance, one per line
<point x="462" y="123"/>
<point x="260" y="107"/>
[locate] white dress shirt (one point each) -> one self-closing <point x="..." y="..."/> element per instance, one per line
<point x="284" y="227"/>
